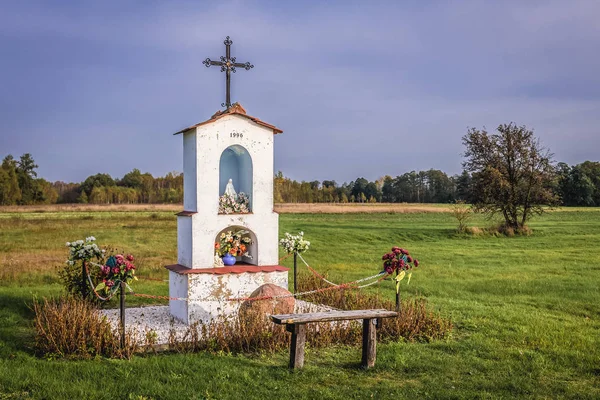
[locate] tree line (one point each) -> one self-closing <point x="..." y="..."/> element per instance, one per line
<point x="577" y="185"/>
<point x="19" y="185"/>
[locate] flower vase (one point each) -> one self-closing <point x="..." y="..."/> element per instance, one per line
<point x="229" y="260"/>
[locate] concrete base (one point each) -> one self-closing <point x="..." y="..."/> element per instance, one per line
<point x="217" y="292"/>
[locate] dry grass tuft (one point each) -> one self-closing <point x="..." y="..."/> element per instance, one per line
<point x="254" y="334"/>
<point x="414" y="322"/>
<point x="72" y="328"/>
<point x="283" y="208"/>
<point x="473" y="230"/>
<point x="366" y="208"/>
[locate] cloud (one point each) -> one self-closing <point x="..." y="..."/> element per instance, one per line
<point x="358" y="90"/>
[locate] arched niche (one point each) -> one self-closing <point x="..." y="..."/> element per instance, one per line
<point x="236" y="164"/>
<point x="252" y="249"/>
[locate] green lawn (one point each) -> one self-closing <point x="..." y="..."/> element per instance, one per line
<point x="525" y="309"/>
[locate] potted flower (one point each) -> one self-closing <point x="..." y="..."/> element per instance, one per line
<point x="232" y="244"/>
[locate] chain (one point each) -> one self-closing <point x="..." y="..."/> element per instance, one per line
<point x="382" y="273"/>
<point x="283" y="296"/>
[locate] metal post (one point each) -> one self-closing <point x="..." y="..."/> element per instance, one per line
<point x="397" y="297"/>
<point x="83" y="280"/>
<point x="122" y="314"/>
<point x="295" y="273"/>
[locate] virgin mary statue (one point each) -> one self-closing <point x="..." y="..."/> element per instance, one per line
<point x="230" y="190"/>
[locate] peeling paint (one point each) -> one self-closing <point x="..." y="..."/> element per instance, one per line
<point x="207" y="294"/>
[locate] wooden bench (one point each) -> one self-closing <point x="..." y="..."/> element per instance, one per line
<point x="296" y="324"/>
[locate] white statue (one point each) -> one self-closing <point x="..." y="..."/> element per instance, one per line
<point x="230" y="190"/>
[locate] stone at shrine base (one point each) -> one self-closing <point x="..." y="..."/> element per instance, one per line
<point x="208" y="290"/>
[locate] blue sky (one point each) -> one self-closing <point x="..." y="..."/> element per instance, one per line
<point x="359" y="88"/>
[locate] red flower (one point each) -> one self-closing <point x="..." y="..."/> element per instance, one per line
<point x="389" y="269"/>
<point x="416" y="263"/>
<point x="409" y="259"/>
<point x="129" y="257"/>
<point x="404" y="251"/>
<point x="116" y="270"/>
<point x="119" y="259"/>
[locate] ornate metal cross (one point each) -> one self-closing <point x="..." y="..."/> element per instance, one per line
<point x="228" y="65"/>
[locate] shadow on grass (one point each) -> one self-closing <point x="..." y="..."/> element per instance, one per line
<point x="16" y="322"/>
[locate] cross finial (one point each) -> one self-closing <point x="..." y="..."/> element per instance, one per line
<point x="228" y="65"/>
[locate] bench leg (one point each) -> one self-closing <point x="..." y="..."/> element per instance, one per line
<point x="369" y="347"/>
<point x="297" y="344"/>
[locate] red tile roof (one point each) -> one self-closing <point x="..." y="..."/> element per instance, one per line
<point x="235" y="109"/>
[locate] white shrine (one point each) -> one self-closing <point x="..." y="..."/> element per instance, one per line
<point x="234" y="146"/>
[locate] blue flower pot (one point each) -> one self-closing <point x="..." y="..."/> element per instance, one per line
<point x="228" y="259"/>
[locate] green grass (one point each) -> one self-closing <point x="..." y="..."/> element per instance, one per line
<point x="526" y="311"/>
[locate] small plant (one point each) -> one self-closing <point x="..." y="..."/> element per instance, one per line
<point x="462" y="212"/>
<point x="235" y="243"/>
<point x="294" y="243"/>
<point x="239" y="204"/>
<point x="72" y="328"/>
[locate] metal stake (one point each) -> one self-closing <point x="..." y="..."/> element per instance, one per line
<point x="123" y="315"/>
<point x="83" y="280"/>
<point x="295" y="273"/>
<point x="397" y="297"/>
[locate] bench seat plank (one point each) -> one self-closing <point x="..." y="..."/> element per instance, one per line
<point x="283" y="319"/>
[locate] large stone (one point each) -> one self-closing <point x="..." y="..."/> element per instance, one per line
<point x="268" y="307"/>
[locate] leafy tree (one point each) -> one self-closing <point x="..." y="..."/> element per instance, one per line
<point x="30" y="190"/>
<point x="512" y="173"/>
<point x="387" y="191"/>
<point x="98" y="180"/>
<point x="49" y="195"/>
<point x="10" y="192"/>
<point x="359" y="186"/>
<point x="464" y="189"/>
<point x="574" y="186"/>
<point x="592" y="170"/>
<point x="371" y="190"/>
<point x="83" y="198"/>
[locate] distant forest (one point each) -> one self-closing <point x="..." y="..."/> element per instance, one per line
<point x="577" y="185"/>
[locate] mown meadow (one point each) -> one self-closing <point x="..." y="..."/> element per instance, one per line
<point x="525" y="310"/>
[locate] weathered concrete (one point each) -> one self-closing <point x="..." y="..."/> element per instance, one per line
<point x="197" y="230"/>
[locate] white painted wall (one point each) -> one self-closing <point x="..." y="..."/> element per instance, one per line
<point x="210" y="141"/>
<point x="190" y="174"/>
<point x="178" y="288"/>
<point x="203" y="146"/>
<point x="184" y="241"/>
<point x="209" y="294"/>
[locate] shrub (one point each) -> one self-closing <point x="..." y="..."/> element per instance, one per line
<point x="80" y="252"/>
<point x="415" y="322"/>
<point x="462" y="212"/>
<point x="254" y="335"/>
<point x="73" y="328"/>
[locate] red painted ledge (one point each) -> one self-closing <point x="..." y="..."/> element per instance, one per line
<point x="235" y="269"/>
<point x="186" y="213"/>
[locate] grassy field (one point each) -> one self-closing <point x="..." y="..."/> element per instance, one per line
<point x="526" y="310"/>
